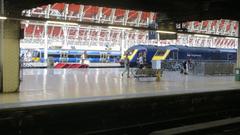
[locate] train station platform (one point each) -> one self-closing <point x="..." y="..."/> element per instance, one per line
<point x="85" y="83"/>
<point x="100" y="101"/>
<point x="74" y="65"/>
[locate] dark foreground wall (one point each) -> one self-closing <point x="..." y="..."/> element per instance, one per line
<point x="136" y="116"/>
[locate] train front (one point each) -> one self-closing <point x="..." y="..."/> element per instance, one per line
<point x="161" y="54"/>
<point x="132" y="56"/>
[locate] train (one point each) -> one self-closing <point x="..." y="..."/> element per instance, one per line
<point x="168" y="54"/>
<point x="179" y="53"/>
<point x="71" y="56"/>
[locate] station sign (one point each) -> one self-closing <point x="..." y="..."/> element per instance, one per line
<point x="164" y="36"/>
<point x="167" y="26"/>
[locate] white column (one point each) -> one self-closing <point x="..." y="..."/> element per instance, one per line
<point x="65" y="11"/>
<point x="45" y="41"/>
<point x="47" y="13"/>
<point x="65" y="34"/>
<point x="1" y="45"/>
<point x="10" y="48"/>
<point x="158" y="39"/>
<point x="122" y="42"/>
<point x="238" y="49"/>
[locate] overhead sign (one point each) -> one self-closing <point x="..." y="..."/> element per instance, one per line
<point x="152" y="34"/>
<point x="167" y="26"/>
<point x="167" y="36"/>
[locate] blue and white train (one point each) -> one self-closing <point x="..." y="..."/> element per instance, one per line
<point x="73" y="55"/>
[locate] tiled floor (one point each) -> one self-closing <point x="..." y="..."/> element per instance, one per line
<point x="102" y="84"/>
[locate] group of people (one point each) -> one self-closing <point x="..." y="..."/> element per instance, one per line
<point x="142" y="59"/>
<point x="140" y="62"/>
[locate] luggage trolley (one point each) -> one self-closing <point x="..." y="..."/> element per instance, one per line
<point x="155" y="71"/>
<point x="149" y="74"/>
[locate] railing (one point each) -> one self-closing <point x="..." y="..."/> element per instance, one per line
<point x="176" y="65"/>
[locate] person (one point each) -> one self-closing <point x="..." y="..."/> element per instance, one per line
<point x="184" y="68"/>
<point x="186" y="65"/>
<point x="127" y="65"/>
<point x="108" y="58"/>
<point x="144" y="57"/>
<point x="84" y="56"/>
<point x="189" y="63"/>
<point x="140" y="61"/>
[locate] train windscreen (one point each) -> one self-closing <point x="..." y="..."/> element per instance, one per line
<point x="130" y="52"/>
<point x="160" y="53"/>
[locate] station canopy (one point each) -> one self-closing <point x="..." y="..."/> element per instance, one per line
<point x="89" y="37"/>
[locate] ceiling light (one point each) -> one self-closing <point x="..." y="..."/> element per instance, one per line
<point x="3" y="18"/>
<point x="166" y="32"/>
<point x="201" y="35"/>
<point x="231" y="38"/>
<point x="119" y="27"/>
<point x="62" y="23"/>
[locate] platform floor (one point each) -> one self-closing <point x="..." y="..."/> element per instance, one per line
<point x="91" y="65"/>
<point x="106" y="83"/>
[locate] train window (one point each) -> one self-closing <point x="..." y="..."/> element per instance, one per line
<point x="230" y="57"/>
<point x="114" y="56"/>
<point x="52" y="55"/>
<point x="93" y="56"/>
<point x="160" y="52"/>
<point x="130" y="52"/>
<point x="35" y="54"/>
<point x="73" y="56"/>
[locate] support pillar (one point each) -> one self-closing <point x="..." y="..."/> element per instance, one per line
<point x="123" y="49"/>
<point x="238" y="54"/>
<point x="238" y="49"/>
<point x="237" y="70"/>
<point x="65" y="34"/>
<point x="10" y="47"/>
<point x="1" y="42"/>
<point x="46" y="42"/>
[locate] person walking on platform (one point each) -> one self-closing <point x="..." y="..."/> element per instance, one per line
<point x="127" y="66"/>
<point x="186" y="65"/>
<point x="140" y="61"/>
<point x="83" y="57"/>
<point x="184" y="68"/>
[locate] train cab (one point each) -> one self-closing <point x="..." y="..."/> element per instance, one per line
<point x="132" y="55"/>
<point x="161" y="54"/>
<point x="168" y="56"/>
<point x="134" y="52"/>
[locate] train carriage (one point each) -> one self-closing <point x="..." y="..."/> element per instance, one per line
<point x="72" y="56"/>
<point x="174" y="54"/>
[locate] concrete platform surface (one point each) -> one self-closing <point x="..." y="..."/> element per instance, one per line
<point x="106" y="84"/>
